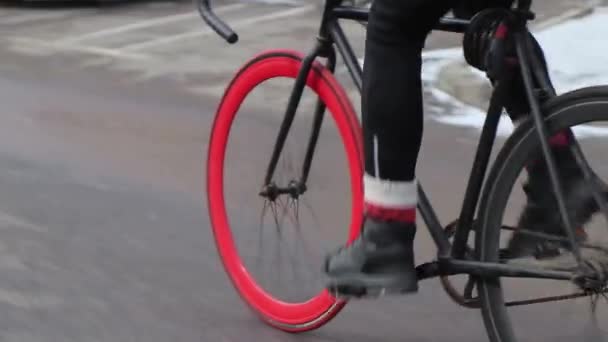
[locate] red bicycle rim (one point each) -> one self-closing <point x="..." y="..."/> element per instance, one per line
<point x="321" y="308"/>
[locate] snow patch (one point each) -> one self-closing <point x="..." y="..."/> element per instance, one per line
<point x="576" y="52"/>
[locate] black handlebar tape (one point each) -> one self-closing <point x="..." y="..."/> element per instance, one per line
<point x="217" y="24"/>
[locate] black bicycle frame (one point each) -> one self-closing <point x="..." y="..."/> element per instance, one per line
<point x="452" y="257"/>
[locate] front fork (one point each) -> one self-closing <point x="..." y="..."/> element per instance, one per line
<point x="323" y="48"/>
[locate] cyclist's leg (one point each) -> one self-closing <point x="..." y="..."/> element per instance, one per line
<point x="540" y="212"/>
<point x="392" y="129"/>
<point x="517" y="104"/>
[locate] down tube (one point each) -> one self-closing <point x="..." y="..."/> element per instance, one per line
<point x="479" y="170"/>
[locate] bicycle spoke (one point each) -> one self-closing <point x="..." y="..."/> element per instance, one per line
<point x="555" y="238"/>
<point x="273" y="207"/>
<point x="277" y="251"/>
<point x="292" y="258"/>
<point x="589" y="177"/>
<point x="281" y="214"/>
<point x="594" y="299"/>
<point x="596" y="333"/>
<point x="294" y="248"/>
<point x="298" y="231"/>
<point x="299" y="242"/>
<point x="281" y="205"/>
<point x="314" y="216"/>
<point x="261" y="233"/>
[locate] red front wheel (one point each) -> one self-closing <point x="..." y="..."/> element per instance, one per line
<point x="339" y="145"/>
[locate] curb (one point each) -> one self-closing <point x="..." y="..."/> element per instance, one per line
<point x="470" y="86"/>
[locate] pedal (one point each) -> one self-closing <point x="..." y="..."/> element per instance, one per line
<point x="346" y="292"/>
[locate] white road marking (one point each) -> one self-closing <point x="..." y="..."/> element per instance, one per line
<point x="12" y="262"/>
<point x="8" y="219"/>
<point x="147" y="23"/>
<point x="208" y="31"/>
<point x="21" y="18"/>
<point x="36" y="43"/>
<point x="29" y="301"/>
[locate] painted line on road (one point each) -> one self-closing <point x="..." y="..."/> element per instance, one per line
<point x="46" y="46"/>
<point x="22" y="18"/>
<point x="208" y="31"/>
<point x="29" y="300"/>
<point x="8" y="219"/>
<point x="146" y="24"/>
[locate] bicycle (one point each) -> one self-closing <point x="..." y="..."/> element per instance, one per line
<point x="493" y="40"/>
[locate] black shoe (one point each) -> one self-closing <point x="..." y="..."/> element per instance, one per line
<point x="541" y="213"/>
<point x="380" y="261"/>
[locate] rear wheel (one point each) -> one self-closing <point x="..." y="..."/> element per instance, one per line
<point x="508" y="316"/>
<point x="344" y="142"/>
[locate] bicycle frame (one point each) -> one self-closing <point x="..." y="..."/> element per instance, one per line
<point x="452" y="257"/>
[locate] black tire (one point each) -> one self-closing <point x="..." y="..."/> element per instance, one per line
<point x="567" y="110"/>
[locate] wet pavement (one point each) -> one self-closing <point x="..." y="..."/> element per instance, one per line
<point x="106" y="114"/>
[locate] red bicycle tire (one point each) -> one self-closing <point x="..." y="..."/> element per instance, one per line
<point x="317" y="311"/>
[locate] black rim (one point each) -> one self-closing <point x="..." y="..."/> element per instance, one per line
<point x="509" y="165"/>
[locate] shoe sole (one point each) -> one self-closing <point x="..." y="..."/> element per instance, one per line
<point x="365" y="286"/>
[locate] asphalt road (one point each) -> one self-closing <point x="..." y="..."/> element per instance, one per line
<point x="104" y="234"/>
